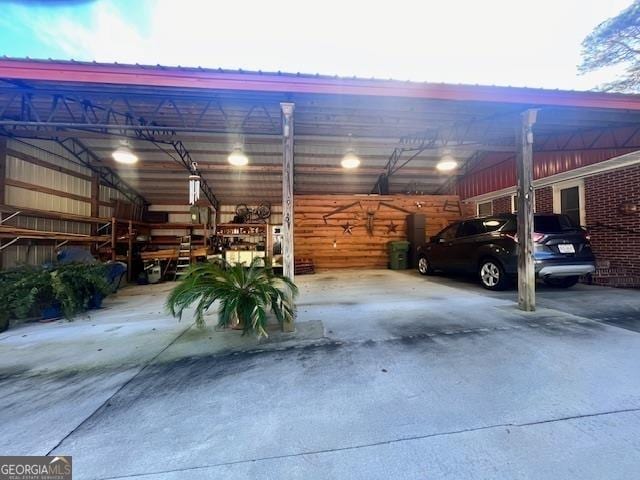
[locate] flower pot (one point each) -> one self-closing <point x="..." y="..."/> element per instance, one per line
<point x="96" y="300"/>
<point x="50" y="312"/>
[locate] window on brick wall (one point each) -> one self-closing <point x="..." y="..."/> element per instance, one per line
<point x="514" y="204"/>
<point x="485" y="209"/>
<point x="568" y="198"/>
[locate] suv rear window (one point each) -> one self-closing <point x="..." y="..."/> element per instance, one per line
<point x="553" y="224"/>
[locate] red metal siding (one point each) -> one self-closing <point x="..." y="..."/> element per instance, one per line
<point x="501" y="172"/>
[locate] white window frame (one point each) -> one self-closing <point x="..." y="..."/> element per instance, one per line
<point x="557" y="187"/>
<point x="490" y="202"/>
<point x="514" y="207"/>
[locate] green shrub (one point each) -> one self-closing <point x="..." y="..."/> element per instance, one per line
<point x="74" y="285"/>
<point x="25" y="291"/>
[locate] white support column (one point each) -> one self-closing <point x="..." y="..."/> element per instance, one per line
<point x="287" y="190"/>
<point x="526" y="200"/>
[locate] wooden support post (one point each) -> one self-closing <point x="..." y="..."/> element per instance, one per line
<point x="95" y="205"/>
<point x="113" y="238"/>
<point x="3" y="176"/>
<point x="526" y="200"/>
<point x="3" y="168"/>
<point x="288" y="265"/>
<point x="130" y="250"/>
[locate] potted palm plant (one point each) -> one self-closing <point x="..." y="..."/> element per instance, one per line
<point x="246" y="295"/>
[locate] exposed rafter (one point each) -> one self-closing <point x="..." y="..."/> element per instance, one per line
<point x="192" y="167"/>
<point x="27" y="106"/>
<point x="85" y="156"/>
<point x="105" y="118"/>
<point x="471" y="135"/>
<point x="88" y="159"/>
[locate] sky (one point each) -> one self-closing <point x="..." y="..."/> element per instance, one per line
<point x="492" y="42"/>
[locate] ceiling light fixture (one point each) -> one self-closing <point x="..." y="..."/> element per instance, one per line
<point x="447" y="163"/>
<point x="124" y="154"/>
<point x="237" y="158"/>
<point x="350" y="160"/>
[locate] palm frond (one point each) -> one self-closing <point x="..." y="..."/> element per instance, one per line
<point x="245" y="294"/>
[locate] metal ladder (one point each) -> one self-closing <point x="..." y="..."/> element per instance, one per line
<point x="184" y="257"/>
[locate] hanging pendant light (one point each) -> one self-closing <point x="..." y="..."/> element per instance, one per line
<point x="447" y="163"/>
<point x="237" y="157"/>
<point x="350" y="159"/>
<point x="124" y="154"/>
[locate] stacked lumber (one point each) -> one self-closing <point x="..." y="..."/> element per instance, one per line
<point x="332" y="230"/>
<point x="171" y="254"/>
<point x="303" y="266"/>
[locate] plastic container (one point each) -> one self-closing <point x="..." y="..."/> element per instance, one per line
<point x="398" y="255"/>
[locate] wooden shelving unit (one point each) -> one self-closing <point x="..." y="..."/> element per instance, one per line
<point x="245" y="231"/>
<point x="117" y="231"/>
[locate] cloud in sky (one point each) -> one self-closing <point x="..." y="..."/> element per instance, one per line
<point x="489" y="42"/>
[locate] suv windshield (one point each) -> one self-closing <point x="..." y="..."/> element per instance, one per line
<point x="553" y="224"/>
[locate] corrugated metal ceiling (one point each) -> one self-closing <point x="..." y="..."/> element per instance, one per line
<point x="325" y="127"/>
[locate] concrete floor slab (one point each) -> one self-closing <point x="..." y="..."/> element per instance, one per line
<point x="392" y="376"/>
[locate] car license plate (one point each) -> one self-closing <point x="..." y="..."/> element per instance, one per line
<point x="566" y="248"/>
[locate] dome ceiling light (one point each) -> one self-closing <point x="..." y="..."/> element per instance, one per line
<point x="237" y="157"/>
<point x="350" y="160"/>
<point x="446" y="164"/>
<point x="123" y="154"/>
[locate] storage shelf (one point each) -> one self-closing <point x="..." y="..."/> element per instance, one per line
<point x="230" y="235"/>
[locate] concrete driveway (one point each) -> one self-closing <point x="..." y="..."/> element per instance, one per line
<point x="615" y="306"/>
<point x="410" y="378"/>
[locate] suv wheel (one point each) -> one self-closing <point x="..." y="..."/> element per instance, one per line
<point x="492" y="275"/>
<point x="424" y="267"/>
<point x="562" y="282"/>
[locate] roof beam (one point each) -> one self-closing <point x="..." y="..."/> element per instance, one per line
<point x="208" y="79"/>
<point x="85" y="156"/>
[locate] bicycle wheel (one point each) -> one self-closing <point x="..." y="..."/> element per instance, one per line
<point x="263" y="211"/>
<point x="243" y="211"/>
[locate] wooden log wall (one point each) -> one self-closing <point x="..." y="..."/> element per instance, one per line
<point x="333" y="229"/>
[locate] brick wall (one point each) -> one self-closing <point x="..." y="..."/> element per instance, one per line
<point x="544" y="200"/>
<point x="615" y="237"/>
<point x="502" y="205"/>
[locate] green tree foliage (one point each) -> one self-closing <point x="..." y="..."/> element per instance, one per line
<point x="616" y="42"/>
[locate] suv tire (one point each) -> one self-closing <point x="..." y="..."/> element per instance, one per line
<point x="424" y="267"/>
<point x="492" y="275"/>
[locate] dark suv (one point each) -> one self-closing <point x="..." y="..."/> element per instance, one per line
<point x="487" y="246"/>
